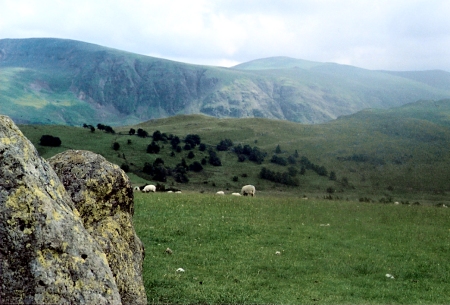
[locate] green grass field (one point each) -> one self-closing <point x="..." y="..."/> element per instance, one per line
<point x="331" y="252"/>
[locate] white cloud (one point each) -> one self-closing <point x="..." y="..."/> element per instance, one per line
<point x="381" y="34"/>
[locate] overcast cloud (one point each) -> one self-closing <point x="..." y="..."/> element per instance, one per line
<point x="372" y="34"/>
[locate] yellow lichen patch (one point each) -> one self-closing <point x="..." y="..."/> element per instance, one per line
<point x="56" y="216"/>
<point x="76" y="213"/>
<point x="21" y="202"/>
<point x="42" y="260"/>
<point x="27" y="231"/>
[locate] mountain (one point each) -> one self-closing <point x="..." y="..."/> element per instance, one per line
<point x="58" y="81"/>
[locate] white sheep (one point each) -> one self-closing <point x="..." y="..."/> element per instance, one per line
<point x="248" y="190"/>
<point x="149" y="188"/>
<point x="220" y="193"/>
<point x="236" y="194"/>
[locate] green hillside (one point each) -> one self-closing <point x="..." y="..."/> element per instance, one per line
<point x="401" y="153"/>
<point x="58" y="81"/>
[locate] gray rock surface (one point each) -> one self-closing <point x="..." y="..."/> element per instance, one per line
<point x="103" y="195"/>
<point x="46" y="254"/>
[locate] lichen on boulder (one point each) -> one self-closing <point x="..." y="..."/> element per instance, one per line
<point x="103" y="195"/>
<point x="46" y="254"/>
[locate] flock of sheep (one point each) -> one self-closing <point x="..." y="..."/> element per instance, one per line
<point x="247" y="190"/>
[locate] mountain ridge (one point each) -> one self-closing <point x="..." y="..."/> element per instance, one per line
<point x="58" y="81"/>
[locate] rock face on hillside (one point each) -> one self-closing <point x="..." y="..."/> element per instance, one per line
<point x="46" y="254"/>
<point x="103" y="195"/>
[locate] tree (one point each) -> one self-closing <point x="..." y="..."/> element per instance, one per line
<point x="49" y="140"/>
<point x="196" y="167"/>
<point x="192" y="139"/>
<point x="224" y="145"/>
<point x="125" y="167"/>
<point x="333" y="175"/>
<point x="157" y="136"/>
<point x="214" y="160"/>
<point x="142" y="133"/>
<point x="175" y="141"/>
<point x="132" y="131"/>
<point x="278" y="149"/>
<point x="153" y="148"/>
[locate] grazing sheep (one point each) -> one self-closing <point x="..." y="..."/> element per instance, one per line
<point x="236" y="194"/>
<point x="248" y="190"/>
<point x="220" y="193"/>
<point x="149" y="188"/>
<point x="178" y="192"/>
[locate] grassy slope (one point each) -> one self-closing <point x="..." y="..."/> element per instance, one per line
<point x="331" y="252"/>
<point x="406" y="154"/>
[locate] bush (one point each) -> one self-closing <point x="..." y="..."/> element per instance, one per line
<point x="214" y="159"/>
<point x="153" y="148"/>
<point x="132" y="131"/>
<point x="224" y="145"/>
<point x="192" y="139"/>
<point x="278" y="160"/>
<point x="191" y="155"/>
<point x="202" y="147"/>
<point x="196" y="167"/>
<point x="157" y="136"/>
<point x="142" y="133"/>
<point x="49" y="140"/>
<point x="116" y="146"/>
<point x="235" y="178"/>
<point x="283" y="178"/>
<point x="125" y="167"/>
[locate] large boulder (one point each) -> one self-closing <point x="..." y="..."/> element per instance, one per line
<point x="103" y="195"/>
<point x="46" y="254"/>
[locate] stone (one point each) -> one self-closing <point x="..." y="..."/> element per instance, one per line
<point x="103" y="195"/>
<point x="46" y="254"/>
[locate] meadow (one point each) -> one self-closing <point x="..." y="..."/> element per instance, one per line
<point x="330" y="252"/>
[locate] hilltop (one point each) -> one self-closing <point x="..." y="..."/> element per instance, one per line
<point x="59" y="81"/>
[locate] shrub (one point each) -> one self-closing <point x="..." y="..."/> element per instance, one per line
<point x="202" y="147"/>
<point x="241" y="158"/>
<point x="174" y="142"/>
<point x="235" y="178"/>
<point x="278" y="160"/>
<point x="153" y="148"/>
<point x="132" y="131"/>
<point x="192" y="139"/>
<point x="142" y="133"/>
<point x="125" y="167"/>
<point x="157" y="136"/>
<point x="224" y="145"/>
<point x="196" y="167"/>
<point x="191" y="155"/>
<point x="49" y="140"/>
<point x="116" y="146"/>
<point x="214" y="159"/>
<point x="278" y="149"/>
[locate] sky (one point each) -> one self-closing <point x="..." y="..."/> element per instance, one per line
<point x="399" y="35"/>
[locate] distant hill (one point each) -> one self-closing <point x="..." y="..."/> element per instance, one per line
<point x="58" y="81"/>
<point x="399" y="152"/>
